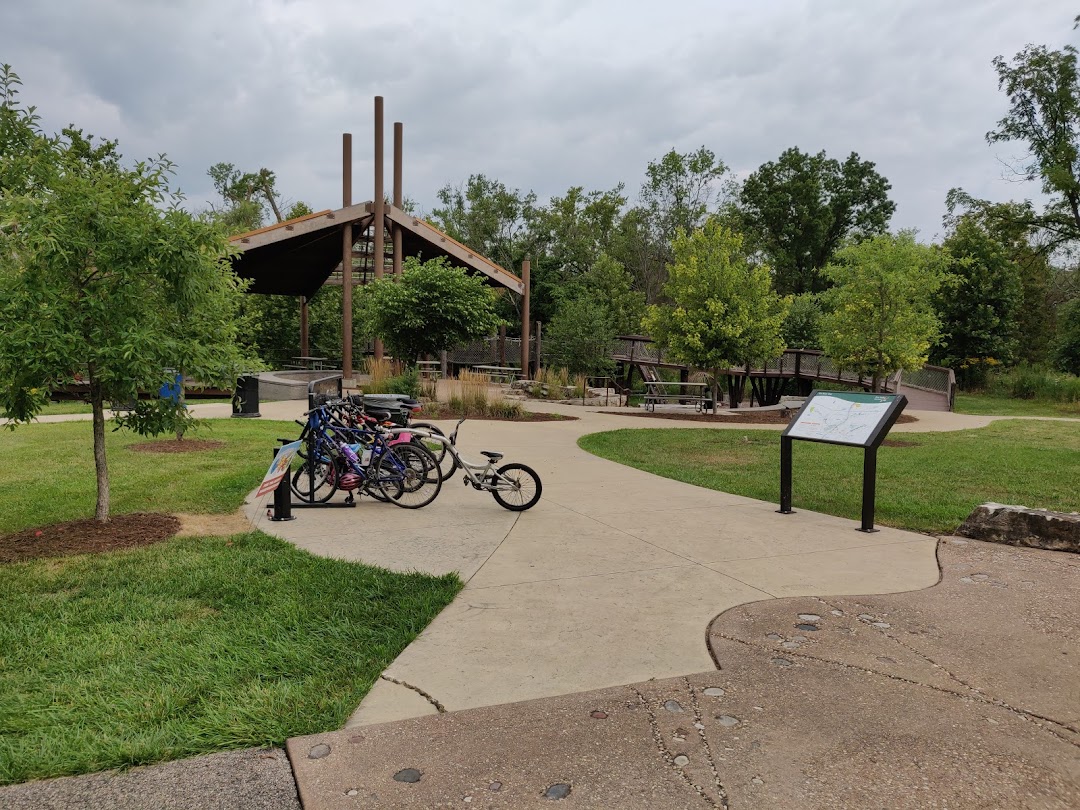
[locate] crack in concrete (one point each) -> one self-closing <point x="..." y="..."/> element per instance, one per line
<point x="438" y="706"/>
<point x="665" y="755"/>
<point x="972" y="694"/>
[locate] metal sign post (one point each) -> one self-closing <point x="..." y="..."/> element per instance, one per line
<point x="836" y="417"/>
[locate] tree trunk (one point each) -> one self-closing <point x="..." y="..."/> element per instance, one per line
<point x="101" y="513"/>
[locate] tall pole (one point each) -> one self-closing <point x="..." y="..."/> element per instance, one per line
<point x="304" y="326"/>
<point x="377" y="222"/>
<point x="399" y="196"/>
<point x="525" y="320"/>
<point x="346" y="260"/>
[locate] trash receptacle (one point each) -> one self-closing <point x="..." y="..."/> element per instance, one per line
<point x="245" y="403"/>
<point x="172" y="390"/>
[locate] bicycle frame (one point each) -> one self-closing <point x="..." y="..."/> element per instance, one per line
<point x="486" y="480"/>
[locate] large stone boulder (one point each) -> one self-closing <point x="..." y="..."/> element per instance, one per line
<point x="1020" y="526"/>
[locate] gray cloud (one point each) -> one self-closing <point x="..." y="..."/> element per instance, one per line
<point x="541" y="97"/>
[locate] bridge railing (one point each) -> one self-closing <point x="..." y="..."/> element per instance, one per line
<point x="936" y="379"/>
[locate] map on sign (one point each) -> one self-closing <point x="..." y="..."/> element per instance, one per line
<point x="842" y="418"/>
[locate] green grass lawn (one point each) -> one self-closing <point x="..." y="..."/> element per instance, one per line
<point x="48" y="471"/>
<point x="996" y="405"/>
<point x="188" y="646"/>
<point x="930" y="487"/>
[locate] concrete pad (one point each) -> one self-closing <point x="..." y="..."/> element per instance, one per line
<point x="390" y="701"/>
<point x="900" y="566"/>
<point x="501" y="644"/>
<point x="550" y="542"/>
<point x="253" y="779"/>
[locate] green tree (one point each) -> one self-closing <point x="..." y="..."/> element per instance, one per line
<point x="723" y="311"/>
<point x="247" y="197"/>
<point x="979" y="310"/>
<point x="880" y="316"/>
<point x="1067" y="345"/>
<point x="580" y="337"/>
<point x="102" y="278"/>
<point x="802" y="326"/>
<point x="569" y="235"/>
<point x="431" y="307"/>
<point x="602" y="305"/>
<point x="800" y="209"/>
<point x="492" y="219"/>
<point x="680" y="191"/>
<point x="1030" y="249"/>
<point x="1043" y="89"/>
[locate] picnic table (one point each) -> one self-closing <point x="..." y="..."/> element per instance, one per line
<point x="429" y="369"/>
<point x="659" y="391"/>
<point x="506" y="374"/>
<point x="308" y="362"/>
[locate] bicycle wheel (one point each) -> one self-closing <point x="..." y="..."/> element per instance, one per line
<point x="408" y="476"/>
<point x="437" y="449"/>
<point x="516" y="487"/>
<point x="445" y="461"/>
<point x="318" y="487"/>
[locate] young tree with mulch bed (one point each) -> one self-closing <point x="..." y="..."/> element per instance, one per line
<point x="103" y="279"/>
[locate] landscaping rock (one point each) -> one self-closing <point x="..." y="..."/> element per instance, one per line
<point x="1020" y="526"/>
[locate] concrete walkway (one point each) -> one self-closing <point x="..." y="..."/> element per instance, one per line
<point x="610" y="579"/>
<point x="964" y="695"/>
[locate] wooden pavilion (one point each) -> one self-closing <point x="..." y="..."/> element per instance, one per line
<point x="348" y="247"/>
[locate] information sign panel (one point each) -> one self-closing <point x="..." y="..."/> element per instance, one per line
<point x="840" y="417"/>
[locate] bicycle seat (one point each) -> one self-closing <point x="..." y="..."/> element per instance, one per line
<point x="492" y="456"/>
<point x="382" y="416"/>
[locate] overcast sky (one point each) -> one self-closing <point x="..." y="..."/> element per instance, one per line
<point x="541" y="96"/>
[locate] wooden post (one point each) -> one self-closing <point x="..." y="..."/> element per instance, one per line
<point x="304" y="326"/>
<point x="399" y="196"/>
<point x="346" y="260"/>
<point x="377" y="222"/>
<point x="525" y="321"/>
<point x="502" y="345"/>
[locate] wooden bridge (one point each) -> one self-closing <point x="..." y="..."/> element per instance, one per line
<point x="795" y="372"/>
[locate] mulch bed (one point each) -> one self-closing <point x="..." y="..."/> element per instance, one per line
<point x="747" y="416"/>
<point x="88" y="536"/>
<point x="429" y="413"/>
<point x="174" y="446"/>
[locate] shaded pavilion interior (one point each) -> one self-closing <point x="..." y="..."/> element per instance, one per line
<point x="347" y="247"/>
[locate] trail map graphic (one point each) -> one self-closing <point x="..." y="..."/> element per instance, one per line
<point x="843" y="418"/>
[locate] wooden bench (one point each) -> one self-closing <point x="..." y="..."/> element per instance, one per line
<point x="685" y="393"/>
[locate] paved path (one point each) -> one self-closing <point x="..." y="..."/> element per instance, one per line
<point x="963" y="695"/>
<point x="610" y="579"/>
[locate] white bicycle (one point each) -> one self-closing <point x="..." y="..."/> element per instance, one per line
<point x="514" y="486"/>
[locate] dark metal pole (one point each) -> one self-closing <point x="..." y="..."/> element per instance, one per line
<point x="399" y="195"/>
<point x="785" y="475"/>
<point x="346" y="260"/>
<point x="869" y="489"/>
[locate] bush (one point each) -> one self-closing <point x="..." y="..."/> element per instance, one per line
<point x="407" y="383"/>
<point x="801" y="326"/>
<point x="1027" y="381"/>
